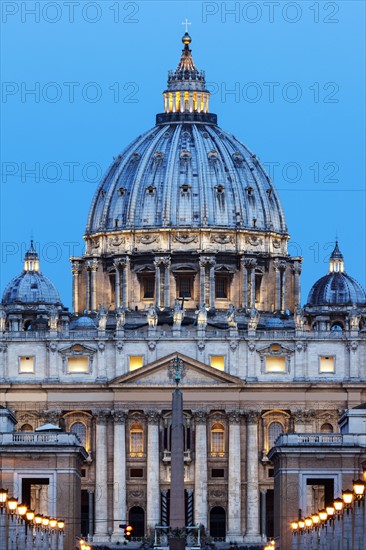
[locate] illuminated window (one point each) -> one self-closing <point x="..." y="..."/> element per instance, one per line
<point x="221" y="286"/>
<point x="77" y="364"/>
<point x="217" y="362"/>
<point x="326" y="364"/>
<point x="136" y="439"/>
<point x="217" y="440"/>
<point x="275" y="364"/>
<point x="274" y="430"/>
<point x="26" y="364"/>
<point x="79" y="429"/>
<point x="135" y="362"/>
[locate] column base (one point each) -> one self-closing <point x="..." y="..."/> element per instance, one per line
<point x="117" y="537"/>
<point x="234" y="537"/>
<point x="101" y="538"/>
<point x="252" y="538"/>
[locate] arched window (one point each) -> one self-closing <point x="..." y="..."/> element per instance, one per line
<point x="326" y="428"/>
<point x="217" y="439"/>
<point x="274" y="430"/>
<point x="26" y="428"/>
<point x="136" y="439"/>
<point x="337" y="327"/>
<point x="79" y="429"/>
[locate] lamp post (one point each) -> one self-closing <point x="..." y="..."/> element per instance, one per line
<point x="60" y="525"/>
<point x="295" y="537"/>
<point x="347" y="497"/>
<point x="315" y="534"/>
<point x="20" y="527"/>
<point x="3" y="518"/>
<point x="12" y="508"/>
<point x="29" y="529"/>
<point x="338" y="524"/>
<point x="358" y="512"/>
<point x="308" y="532"/>
<point x="53" y="534"/>
<point x="323" y="517"/>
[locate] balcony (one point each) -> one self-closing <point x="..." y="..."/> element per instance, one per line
<point x="167" y="457"/>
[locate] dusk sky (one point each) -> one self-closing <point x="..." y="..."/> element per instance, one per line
<point x="82" y="79"/>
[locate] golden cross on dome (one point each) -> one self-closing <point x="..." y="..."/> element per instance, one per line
<point x="186" y="23"/>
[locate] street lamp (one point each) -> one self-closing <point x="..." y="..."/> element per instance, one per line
<point x="12" y="505"/>
<point x="338" y="506"/>
<point x="323" y="515"/>
<point x="316" y="519"/>
<point x="359" y="489"/>
<point x="347" y="497"/>
<point x="3" y="498"/>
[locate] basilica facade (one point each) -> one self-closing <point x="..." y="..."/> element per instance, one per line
<point x="186" y="256"/>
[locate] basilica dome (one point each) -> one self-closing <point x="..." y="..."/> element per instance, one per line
<point x="31" y="286"/>
<point x="337" y="287"/>
<point x="186" y="172"/>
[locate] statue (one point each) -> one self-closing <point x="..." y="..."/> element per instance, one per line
<point x="354" y="318"/>
<point x="121" y="318"/>
<point x="178" y="314"/>
<point x="102" y="317"/>
<point x="2" y="319"/>
<point x="152" y="316"/>
<point x="231" y="317"/>
<point x="299" y="318"/>
<point x="53" y="319"/>
<point x="253" y="318"/>
<point x="201" y="313"/>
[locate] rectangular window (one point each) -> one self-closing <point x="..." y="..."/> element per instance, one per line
<point x="78" y="364"/>
<point x="326" y="364"/>
<point x="26" y="364"/>
<point x="148" y="286"/>
<point x="218" y="472"/>
<point x="136" y="472"/>
<point x="221" y="287"/>
<point x="135" y="362"/>
<point x="184" y="286"/>
<point x="275" y="364"/>
<point x="217" y="362"/>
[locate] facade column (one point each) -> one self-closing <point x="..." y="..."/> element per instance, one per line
<point x="93" y="266"/>
<point x="252" y="534"/>
<point x="91" y="511"/>
<point x="252" y="286"/>
<point x="101" y="477"/>
<point x="278" y="285"/>
<point x="164" y="507"/>
<point x="202" y="264"/>
<point x="117" y="285"/>
<point x="119" y="475"/>
<point x="75" y="269"/>
<point x="200" y="470"/>
<point x="283" y="291"/>
<point x="212" y="283"/>
<point x="153" y="489"/>
<point x="264" y="513"/>
<point x="234" y="485"/>
<point x="297" y="272"/>
<point x="166" y="283"/>
<point x="87" y="289"/>
<point x="245" y="282"/>
<point x="157" y="282"/>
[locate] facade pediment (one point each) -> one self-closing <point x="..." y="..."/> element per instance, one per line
<point x="77" y="350"/>
<point x="275" y="349"/>
<point x="196" y="374"/>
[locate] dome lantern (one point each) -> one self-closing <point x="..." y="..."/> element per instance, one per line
<point x="336" y="264"/>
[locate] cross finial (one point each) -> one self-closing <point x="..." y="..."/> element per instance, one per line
<point x="186" y="23"/>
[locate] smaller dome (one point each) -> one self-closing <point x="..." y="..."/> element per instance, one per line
<point x="186" y="39"/>
<point x="337" y="288"/>
<point x="31" y="286"/>
<point x="83" y="322"/>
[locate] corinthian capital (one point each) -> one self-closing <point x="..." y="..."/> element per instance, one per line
<point x="200" y="416"/>
<point x="119" y="416"/>
<point x="152" y="416"/>
<point x="251" y="416"/>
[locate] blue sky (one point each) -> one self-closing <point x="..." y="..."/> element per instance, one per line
<point x="296" y="75"/>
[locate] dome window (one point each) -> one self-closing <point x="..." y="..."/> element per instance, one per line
<point x="136" y="156"/>
<point x="269" y="192"/>
<point x="219" y="189"/>
<point x="151" y="190"/>
<point x="185" y="188"/>
<point x="185" y="155"/>
<point x="121" y="191"/>
<point x="249" y="190"/>
<point x="212" y="155"/>
<point x="237" y="157"/>
<point x="158" y="156"/>
<point x="116" y="223"/>
<point x="102" y="193"/>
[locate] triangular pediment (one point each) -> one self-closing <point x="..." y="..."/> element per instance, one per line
<point x="197" y="374"/>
